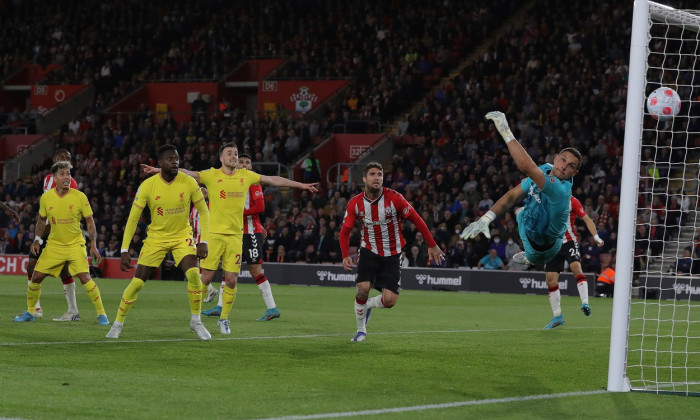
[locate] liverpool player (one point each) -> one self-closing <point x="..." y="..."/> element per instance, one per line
<point x="72" y="314"/>
<point x="379" y="210"/>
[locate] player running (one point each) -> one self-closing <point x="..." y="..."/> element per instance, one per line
<point x="379" y="210"/>
<point x="570" y="253"/>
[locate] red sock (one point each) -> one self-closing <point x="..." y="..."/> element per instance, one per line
<point x="360" y="302"/>
<point x="580" y="278"/>
<point x="67" y="280"/>
<point x="554" y="289"/>
<point x="260" y="279"/>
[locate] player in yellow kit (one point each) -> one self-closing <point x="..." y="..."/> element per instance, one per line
<point x="168" y="196"/>
<point x="228" y="187"/>
<point x="63" y="207"/>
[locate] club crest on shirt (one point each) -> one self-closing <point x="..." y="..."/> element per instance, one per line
<point x="182" y="196"/>
<point x="70" y="208"/>
<point x="551" y="179"/>
<point x="360" y="214"/>
<point x="157" y="198"/>
<point x="219" y="180"/>
<point x="389" y="211"/>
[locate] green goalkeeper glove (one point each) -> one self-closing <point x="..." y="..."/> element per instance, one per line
<point x="480" y="226"/>
<point x="499" y="119"/>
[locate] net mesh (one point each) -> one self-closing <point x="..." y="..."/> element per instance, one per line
<point x="663" y="353"/>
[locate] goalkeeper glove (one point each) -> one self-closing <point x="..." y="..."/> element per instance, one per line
<point x="480" y="226"/>
<point x="499" y="119"/>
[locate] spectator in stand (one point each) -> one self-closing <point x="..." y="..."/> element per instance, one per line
<point x="589" y="256"/>
<point x="457" y="256"/>
<point x="416" y="258"/>
<point x="491" y="261"/>
<point x="499" y="246"/>
<point x="684" y="265"/>
<point x="512" y="248"/>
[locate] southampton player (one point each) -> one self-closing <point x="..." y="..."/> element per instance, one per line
<point x="228" y="188"/>
<point x="168" y="197"/>
<point x="379" y="210"/>
<point x="63" y="207"/>
<point x="252" y="247"/>
<point x="71" y="314"/>
<point x="570" y="253"/>
<point x="546" y="191"/>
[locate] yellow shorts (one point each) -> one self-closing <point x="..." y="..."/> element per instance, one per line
<point x="228" y="249"/>
<point x="154" y="250"/>
<point x="54" y="257"/>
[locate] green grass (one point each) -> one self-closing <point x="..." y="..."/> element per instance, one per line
<point x="432" y="348"/>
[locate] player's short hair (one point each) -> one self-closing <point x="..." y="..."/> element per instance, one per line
<point x="574" y="152"/>
<point x="60" y="151"/>
<point x="226" y="146"/>
<point x="164" y="148"/>
<point x="60" y="165"/>
<point x="245" y="156"/>
<point x="372" y="164"/>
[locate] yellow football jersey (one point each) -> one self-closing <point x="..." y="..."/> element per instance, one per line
<point x="64" y="214"/>
<point x="227" y="198"/>
<point x="169" y="204"/>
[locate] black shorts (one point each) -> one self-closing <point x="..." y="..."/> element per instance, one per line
<point x="381" y="272"/>
<point x="569" y="252"/>
<point x="41" y="248"/>
<point x="253" y="248"/>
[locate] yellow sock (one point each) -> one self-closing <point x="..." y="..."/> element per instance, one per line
<point x="95" y="297"/>
<point x="195" y="290"/>
<point x="229" y="297"/>
<point x="205" y="290"/>
<point x="129" y="297"/>
<point x="33" y="293"/>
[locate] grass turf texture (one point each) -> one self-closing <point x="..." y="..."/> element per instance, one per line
<point x="432" y="348"/>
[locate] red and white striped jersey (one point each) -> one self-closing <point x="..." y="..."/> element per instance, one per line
<point x="575" y="210"/>
<point x="194" y="221"/>
<point x="256" y="201"/>
<point x="381" y="221"/>
<point x="50" y="182"/>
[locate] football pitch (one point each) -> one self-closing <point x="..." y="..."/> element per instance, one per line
<point x="441" y="355"/>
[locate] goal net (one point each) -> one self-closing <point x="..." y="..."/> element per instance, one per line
<point x="655" y="339"/>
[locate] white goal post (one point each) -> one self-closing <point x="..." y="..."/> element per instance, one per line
<point x="655" y="334"/>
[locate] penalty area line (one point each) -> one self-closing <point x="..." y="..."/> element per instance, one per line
<point x="437" y="406"/>
<point x="275" y="337"/>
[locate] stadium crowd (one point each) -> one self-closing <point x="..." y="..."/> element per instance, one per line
<point x="560" y="79"/>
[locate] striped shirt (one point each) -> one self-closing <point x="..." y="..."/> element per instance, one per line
<point x="251" y="222"/>
<point x="575" y="210"/>
<point x="381" y="221"/>
<point x="194" y="221"/>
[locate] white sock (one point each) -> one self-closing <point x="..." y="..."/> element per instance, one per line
<point x="210" y="288"/>
<point x="583" y="291"/>
<point x="360" y="316"/>
<point x="375" y="302"/>
<point x="69" y="291"/>
<point x="266" y="291"/>
<point x="555" y="302"/>
<point x="196" y="317"/>
<point x="221" y="294"/>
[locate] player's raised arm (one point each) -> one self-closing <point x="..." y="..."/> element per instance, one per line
<point x="519" y="154"/>
<point x="278" y="181"/>
<point x="149" y="170"/>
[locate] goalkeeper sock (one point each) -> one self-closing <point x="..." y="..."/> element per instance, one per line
<point x="555" y="300"/>
<point x="95" y="297"/>
<point x="194" y="290"/>
<point x="266" y="290"/>
<point x="582" y="286"/>
<point x="221" y="294"/>
<point x="33" y="293"/>
<point x="375" y="302"/>
<point x="129" y="297"/>
<point x="229" y="298"/>
<point x="360" y="313"/>
<point x="69" y="292"/>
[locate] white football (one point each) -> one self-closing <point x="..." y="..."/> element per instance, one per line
<point x="663" y="104"/>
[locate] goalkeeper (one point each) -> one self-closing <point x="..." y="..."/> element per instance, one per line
<point x="547" y="194"/>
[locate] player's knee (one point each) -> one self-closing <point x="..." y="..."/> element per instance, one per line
<point x="389" y="301"/>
